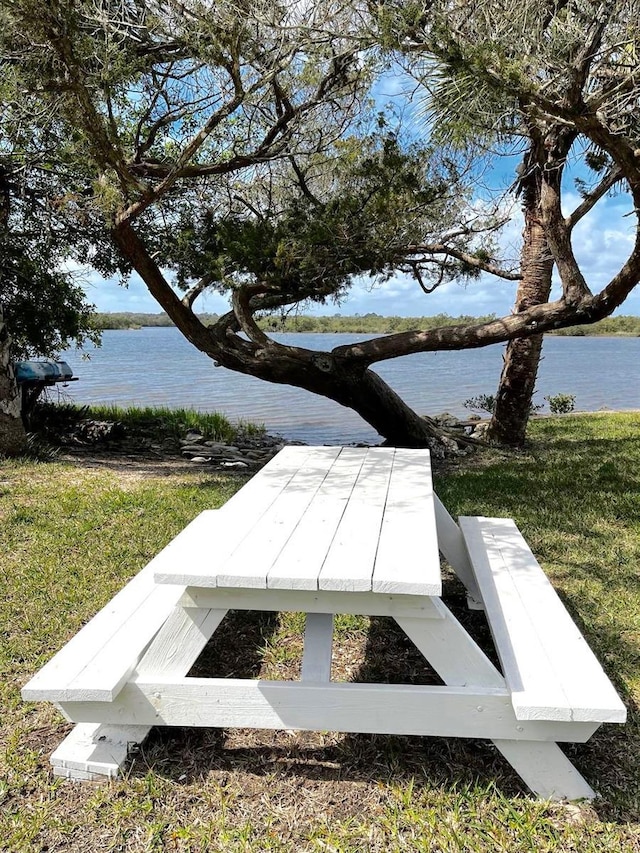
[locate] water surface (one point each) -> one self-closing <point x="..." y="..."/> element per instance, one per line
<point x="158" y="367"/>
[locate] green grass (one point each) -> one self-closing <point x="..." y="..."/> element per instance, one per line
<point x="176" y="422"/>
<point x="158" y="422"/>
<point x="70" y="536"/>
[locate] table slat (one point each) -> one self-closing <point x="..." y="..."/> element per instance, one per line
<point x="301" y="559"/>
<point x="408" y="560"/>
<point x="349" y="563"/>
<point x="251" y="561"/>
<point x="197" y="554"/>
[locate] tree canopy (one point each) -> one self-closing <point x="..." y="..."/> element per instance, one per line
<point x="234" y="146"/>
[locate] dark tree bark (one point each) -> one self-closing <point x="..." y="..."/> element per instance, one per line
<point x="13" y="438"/>
<point x="522" y="357"/>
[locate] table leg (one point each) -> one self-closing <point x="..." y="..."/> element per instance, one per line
<point x="318" y="643"/>
<point x="458" y="660"/>
<point x="453" y="549"/>
<point x="97" y="751"/>
<point x="545" y="769"/>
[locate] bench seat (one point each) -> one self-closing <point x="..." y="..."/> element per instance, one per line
<point x="550" y="670"/>
<point x="96" y="663"/>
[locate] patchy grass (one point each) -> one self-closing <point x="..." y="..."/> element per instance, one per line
<point x="71" y="536"/>
<point x="50" y="419"/>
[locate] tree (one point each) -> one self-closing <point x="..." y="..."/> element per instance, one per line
<point x="516" y="387"/>
<point x="526" y="73"/>
<point x="13" y="438"/>
<point x="222" y="147"/>
<point x="44" y="307"/>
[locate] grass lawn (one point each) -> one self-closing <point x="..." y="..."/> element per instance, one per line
<point x="71" y="535"/>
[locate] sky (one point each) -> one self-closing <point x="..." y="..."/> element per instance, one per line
<point x="602" y="242"/>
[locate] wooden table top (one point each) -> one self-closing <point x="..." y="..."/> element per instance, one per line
<point x="318" y="518"/>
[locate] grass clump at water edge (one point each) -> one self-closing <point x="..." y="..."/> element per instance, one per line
<point x="158" y="423"/>
<point x="71" y="536"/>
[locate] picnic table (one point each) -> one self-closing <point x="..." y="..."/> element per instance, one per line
<point x="327" y="530"/>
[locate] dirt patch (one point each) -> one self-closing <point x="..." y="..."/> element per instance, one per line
<point x="135" y="466"/>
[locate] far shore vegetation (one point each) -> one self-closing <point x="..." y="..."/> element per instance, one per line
<point x="624" y="326"/>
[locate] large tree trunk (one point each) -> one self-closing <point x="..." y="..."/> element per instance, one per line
<point x="13" y="438"/>
<point x="353" y="386"/>
<point x="343" y="379"/>
<point x="520" y="369"/>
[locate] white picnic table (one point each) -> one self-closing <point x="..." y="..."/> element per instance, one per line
<point x="327" y="530"/>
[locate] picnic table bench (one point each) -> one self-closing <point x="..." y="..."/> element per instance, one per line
<point x="326" y="530"/>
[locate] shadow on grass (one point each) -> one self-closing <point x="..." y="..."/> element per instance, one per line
<point x="556" y="491"/>
<point x="188" y="755"/>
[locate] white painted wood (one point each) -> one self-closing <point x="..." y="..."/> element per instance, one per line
<point x="546" y="770"/>
<point x="78" y="775"/>
<point x="93" y="751"/>
<point x="310" y="601"/>
<point x="255" y="515"/>
<point x="382" y="708"/>
<point x="318" y="644"/>
<point x="348" y="566"/>
<point x="196" y="547"/>
<point x="364" y="522"/>
<point x="98" y="660"/>
<point x="408" y="560"/>
<point x="550" y="669"/>
<point x="104" y="675"/>
<point x="300" y="561"/>
<point x="251" y="563"/>
<point x="449" y="649"/>
<point x="179" y="642"/>
<point x="459" y="661"/>
<point x="265" y="486"/>
<point x="452" y="548"/>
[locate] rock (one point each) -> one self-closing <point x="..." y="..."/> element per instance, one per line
<point x="446" y="419"/>
<point x="480" y="430"/>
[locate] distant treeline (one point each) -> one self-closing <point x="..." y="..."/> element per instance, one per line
<point x="364" y="323"/>
<point x="133" y="320"/>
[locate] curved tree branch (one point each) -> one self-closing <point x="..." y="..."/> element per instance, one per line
<point x="590" y="200"/>
<point x="192" y="294"/>
<point x="464" y="257"/>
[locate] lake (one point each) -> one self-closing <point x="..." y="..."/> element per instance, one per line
<point x="158" y="367"/>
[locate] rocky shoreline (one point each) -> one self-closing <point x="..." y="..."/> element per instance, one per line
<point x="248" y="451"/>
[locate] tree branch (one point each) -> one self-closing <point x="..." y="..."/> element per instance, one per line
<point x="192" y="294"/>
<point x="464" y="257"/>
<point x="240" y="300"/>
<point x="589" y="201"/>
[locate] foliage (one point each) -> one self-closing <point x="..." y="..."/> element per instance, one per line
<point x="71" y="536"/>
<point x="487" y="403"/>
<point x="482" y="403"/>
<point x="54" y="421"/>
<point x="621" y="325"/>
<point x="561" y="404"/>
<point x="380" y="198"/>
<point x="362" y="323"/>
<point x="43" y="230"/>
<point x="235" y="148"/>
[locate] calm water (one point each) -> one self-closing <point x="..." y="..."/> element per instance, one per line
<point x="158" y="367"/>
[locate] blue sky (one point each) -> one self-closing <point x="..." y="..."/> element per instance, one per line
<point x="602" y="242"/>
